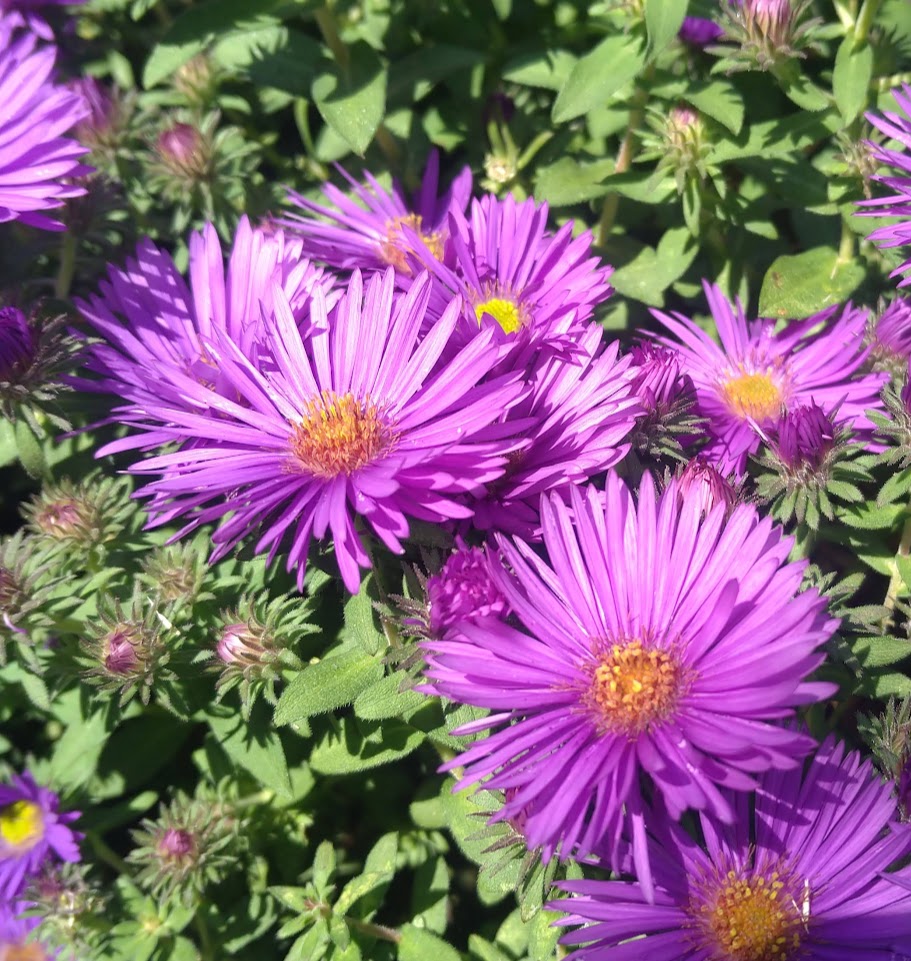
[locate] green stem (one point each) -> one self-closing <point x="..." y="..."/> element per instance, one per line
<point x="67" y="268"/>
<point x="625" y="155"/>
<point x="325" y="20"/>
<point x="389" y="145"/>
<point x="867" y="15"/>
<point x="897" y="581"/>
<point x="846" y="249"/>
<point x="379" y="931"/>
<point x="206" y="947"/>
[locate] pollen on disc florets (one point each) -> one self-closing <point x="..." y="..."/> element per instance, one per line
<point x="394" y="248"/>
<point x="504" y="306"/>
<point x="634" y="687"/>
<point x="757" y="917"/>
<point x="21" y="825"/>
<point x="753" y="394"/>
<point x="339" y="434"/>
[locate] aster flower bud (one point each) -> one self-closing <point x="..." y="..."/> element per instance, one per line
<point x="17" y="343"/>
<point x="184" y="850"/>
<point x="463" y="589"/>
<point x="68" y="904"/>
<point x="176" y="573"/>
<point x="197" y="80"/>
<point x="252" y="649"/>
<point x="701" y="483"/>
<point x="102" y="129"/>
<point x="805" y="438"/>
<point x="770" y="33"/>
<point x="894" y="426"/>
<point x="666" y="396"/>
<point x="25" y="589"/>
<point x="184" y="152"/>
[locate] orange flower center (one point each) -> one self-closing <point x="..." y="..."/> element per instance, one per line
<point x="339" y="435"/>
<point x="32" y="951"/>
<point x="752" y="395"/>
<point x="21" y="824"/>
<point x="394" y="248"/>
<point x="634" y="687"/>
<point x="754" y="919"/>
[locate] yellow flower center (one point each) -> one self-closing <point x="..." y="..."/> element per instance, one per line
<point x="634" y="687"/>
<point x="504" y="311"/>
<point x="394" y="249"/>
<point x="21" y="824"/>
<point x="754" y="919"/>
<point x="754" y="395"/>
<point x="339" y="435"/>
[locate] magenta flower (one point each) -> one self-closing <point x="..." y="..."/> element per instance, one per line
<point x="156" y="326"/>
<point x="755" y="375"/>
<point x="515" y="276"/>
<point x="31" y="830"/>
<point x="892" y="333"/>
<point x="370" y="233"/>
<point x="464" y="588"/>
<point x="23" y="13"/>
<point x="580" y="415"/>
<point x="355" y="419"/>
<point x="804" y="437"/>
<point x="17" y="342"/>
<point x="897" y="126"/>
<point x="699" y="32"/>
<point x="657" y="643"/>
<point x="35" y="158"/>
<point x="800" y="878"/>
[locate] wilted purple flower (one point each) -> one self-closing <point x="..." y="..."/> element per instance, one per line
<point x="370" y="233"/>
<point x="35" y="157"/>
<point x="658" y="642"/>
<point x="659" y="381"/>
<point x="705" y="487"/>
<point x="464" y="588"/>
<point x="896" y="126"/>
<point x="579" y="416"/>
<point x="158" y="329"/>
<point x="803" y="877"/>
<point x="700" y="32"/>
<point x="17" y="342"/>
<point x="356" y="419"/>
<point x="515" y="277"/>
<point x="804" y="437"/>
<point x="31" y="830"/>
<point x="756" y="374"/>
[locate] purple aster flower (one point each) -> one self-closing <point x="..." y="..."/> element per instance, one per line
<point x="802" y="877"/>
<point x="700" y="32"/>
<point x="804" y="437"/>
<point x="658" y="643"/>
<point x="892" y="331"/>
<point x="35" y="157"/>
<point x="896" y="126"/>
<point x="516" y="277"/>
<point x="23" y="13"/>
<point x="581" y="413"/>
<point x="464" y="588"/>
<point x="31" y="830"/>
<point x="356" y="419"/>
<point x="369" y="232"/>
<point x="155" y="325"/>
<point x="755" y="375"/>
<point x="17" y="342"/>
<point x="16" y="941"/>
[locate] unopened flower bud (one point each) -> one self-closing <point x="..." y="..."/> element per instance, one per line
<point x="17" y="343"/>
<point x="500" y="169"/>
<point x="771" y="19"/>
<point x="464" y="589"/>
<point x="805" y="436"/>
<point x="184" y="152"/>
<point x="659" y="380"/>
<point x="102" y="127"/>
<point x="177" y="845"/>
<point x="120" y="651"/>
<point x="241" y="647"/>
<point x="197" y="80"/>
<point x="703" y="484"/>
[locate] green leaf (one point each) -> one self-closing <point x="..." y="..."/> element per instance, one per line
<point x="327" y="685"/>
<point x="851" y="78"/>
<point x="549" y="70"/>
<point x="360" y="620"/>
<point x="719" y="100"/>
<point x="9" y="450"/>
<point x="256" y="747"/>
<point x="198" y="28"/>
<point x="597" y="76"/>
<point x="359" y="746"/>
<point x="663" y="19"/>
<point x="569" y="182"/>
<point x="378" y="871"/>
<point x="353" y="102"/>
<point x="653" y="271"/>
<point x="30" y="449"/>
<point x="418" y="944"/>
<point x="76" y="754"/>
<point x="803" y="284"/>
<point x="386" y="698"/>
<point x="880" y="651"/>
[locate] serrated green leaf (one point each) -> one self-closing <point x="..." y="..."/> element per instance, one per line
<point x="364" y="745"/>
<point x="873" y="652"/>
<point x="256" y="746"/>
<point x="598" y="76"/>
<point x="851" y="77"/>
<point x="719" y="100"/>
<point x="360" y="620"/>
<point x="569" y="182"/>
<point x="30" y="449"/>
<point x="869" y="517"/>
<point x="327" y="685"/>
<point x="386" y="698"/>
<point x="803" y="284"/>
<point x="353" y="101"/>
